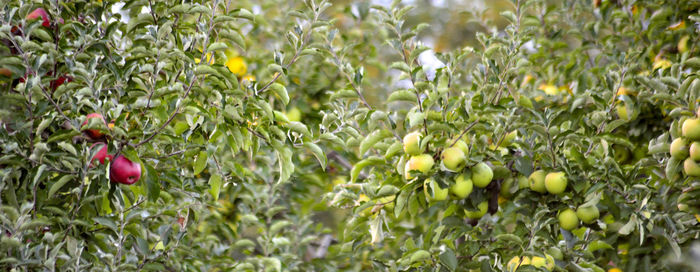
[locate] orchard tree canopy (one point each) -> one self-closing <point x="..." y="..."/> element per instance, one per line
<point x="367" y="135"/>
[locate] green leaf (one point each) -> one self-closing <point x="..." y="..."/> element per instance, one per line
<point x="215" y="186"/>
<point x="357" y="168"/>
<point x="403" y="95"/>
<point x="58" y="184"/>
<point x="200" y="162"/>
<point x="281" y="92"/>
<point x="318" y="153"/>
<point x="372" y="139"/>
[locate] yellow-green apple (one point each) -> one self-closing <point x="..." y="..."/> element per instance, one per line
<point x="461" y="144"/>
<point x="422" y="163"/>
<point x="124" y="171"/>
<point x="587" y="214"/>
<point x="101" y="155"/>
<point x="453" y="158"/>
<point x="483" y="206"/>
<point x="523" y="182"/>
<point x="691" y="129"/>
<point x="481" y="175"/>
<point x="555" y="182"/>
<point x="537" y="181"/>
<point x="695" y="151"/>
<point x="411" y="143"/>
<point x="568" y="219"/>
<point x="463" y="186"/>
<point x="433" y="192"/>
<point x="679" y="148"/>
<point x="691" y="168"/>
<point x="94" y="134"/>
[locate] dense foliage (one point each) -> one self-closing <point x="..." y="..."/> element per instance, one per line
<point x="350" y="135"/>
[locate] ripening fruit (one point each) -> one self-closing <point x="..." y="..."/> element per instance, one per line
<point x="463" y="186"/>
<point x="294" y="114"/>
<point x="679" y="149"/>
<point x="537" y="181"/>
<point x="101" y="155"/>
<point x="40" y="12"/>
<point x="93" y="133"/>
<point x="555" y="183"/>
<point x="124" y="171"/>
<point x="568" y="219"/>
<point x="691" y="168"/>
<point x="411" y="143"/>
<point x="691" y="129"/>
<point x="433" y="192"/>
<point x="482" y="175"/>
<point x="461" y="144"/>
<point x="695" y="151"/>
<point x="588" y="214"/>
<point x="453" y="158"/>
<point x="423" y="163"/>
<point x="237" y="66"/>
<point x="483" y="206"/>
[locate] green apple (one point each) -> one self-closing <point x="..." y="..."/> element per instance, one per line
<point x="463" y="186"/>
<point x="695" y="151"/>
<point x="555" y="182"/>
<point x="422" y="163"/>
<point x="482" y="175"/>
<point x="691" y="168"/>
<point x="621" y="153"/>
<point x="568" y="219"/>
<point x="453" y="158"/>
<point x="691" y="129"/>
<point x="461" y="144"/>
<point x="483" y="206"/>
<point x="505" y="187"/>
<point x="411" y="143"/>
<point x="536" y="180"/>
<point x="523" y="182"/>
<point x="679" y="149"/>
<point x="433" y="192"/>
<point x="508" y="139"/>
<point x="587" y="214"/>
<point x="294" y="114"/>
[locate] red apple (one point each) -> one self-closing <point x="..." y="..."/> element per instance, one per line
<point x="94" y="134"/>
<point x="59" y="81"/>
<point x="124" y="171"/>
<point x="101" y="155"/>
<point x="40" y="12"/>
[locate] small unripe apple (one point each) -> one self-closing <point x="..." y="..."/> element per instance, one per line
<point x="433" y="192"/>
<point x="294" y="115"/>
<point x="94" y="134"/>
<point x="695" y="151"/>
<point x="679" y="149"/>
<point x="124" y="171"/>
<point x="587" y="214"/>
<point x="461" y="144"/>
<point x="40" y="12"/>
<point x="422" y="163"/>
<point x="505" y="187"/>
<point x="691" y="129"/>
<point x="691" y="168"/>
<point x="523" y="182"/>
<point x="411" y="143"/>
<point x="508" y="139"/>
<point x="463" y="186"/>
<point x="537" y="181"/>
<point x="453" y="158"/>
<point x="101" y="155"/>
<point x="621" y="153"/>
<point x="555" y="182"/>
<point x="482" y="175"/>
<point x="483" y="206"/>
<point x="568" y="219"/>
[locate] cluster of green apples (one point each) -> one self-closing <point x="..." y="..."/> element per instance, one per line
<point x="453" y="159"/>
<point x="555" y="183"/>
<point x="686" y="148"/>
